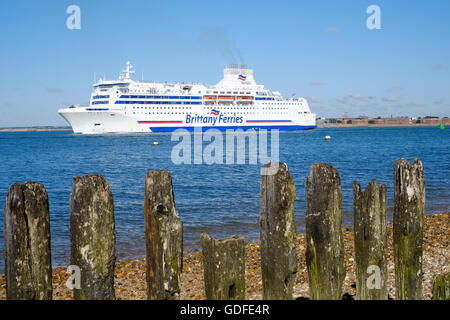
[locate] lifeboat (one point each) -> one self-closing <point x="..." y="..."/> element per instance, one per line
<point x="226" y="98"/>
<point x="209" y="97"/>
<point x="245" y="98"/>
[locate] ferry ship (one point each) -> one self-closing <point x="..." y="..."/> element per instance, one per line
<point x="236" y="102"/>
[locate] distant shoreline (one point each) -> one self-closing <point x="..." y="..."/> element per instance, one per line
<point x="345" y="125"/>
<point x="34" y="129"/>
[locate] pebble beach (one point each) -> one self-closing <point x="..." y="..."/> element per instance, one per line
<point x="130" y="283"/>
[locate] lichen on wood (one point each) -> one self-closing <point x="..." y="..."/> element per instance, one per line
<point x="370" y="209"/>
<point x="277" y="232"/>
<point x="92" y="236"/>
<point x="28" y="269"/>
<point x="441" y="287"/>
<point x="409" y="205"/>
<point x="224" y="267"/>
<point x="324" y="237"/>
<point x="164" y="237"/>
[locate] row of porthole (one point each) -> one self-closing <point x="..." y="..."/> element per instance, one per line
<point x="236" y="113"/>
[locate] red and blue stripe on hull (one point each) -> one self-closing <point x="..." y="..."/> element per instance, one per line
<point x="281" y="125"/>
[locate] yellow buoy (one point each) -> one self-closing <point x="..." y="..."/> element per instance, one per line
<point x="155" y="143"/>
<point x="327" y="138"/>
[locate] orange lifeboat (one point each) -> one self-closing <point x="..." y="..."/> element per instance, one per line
<point x="226" y="98"/>
<point x="209" y="97"/>
<point x="245" y="98"/>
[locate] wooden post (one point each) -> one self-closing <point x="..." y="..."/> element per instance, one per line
<point x="370" y="208"/>
<point x="441" y="287"/>
<point x="92" y="236"/>
<point x="223" y="267"/>
<point x="324" y="237"/>
<point x="164" y="237"/>
<point x="278" y="232"/>
<point x="409" y="197"/>
<point x="28" y="267"/>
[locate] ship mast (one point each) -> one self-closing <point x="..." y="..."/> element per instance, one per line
<point x="129" y="70"/>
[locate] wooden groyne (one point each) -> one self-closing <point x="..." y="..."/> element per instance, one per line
<point x="27" y="233"/>
<point x="324" y="238"/>
<point x="28" y="269"/>
<point x="164" y="237"/>
<point x="92" y="237"/>
<point x="370" y="227"/>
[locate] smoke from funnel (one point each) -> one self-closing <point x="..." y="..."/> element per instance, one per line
<point x="217" y="39"/>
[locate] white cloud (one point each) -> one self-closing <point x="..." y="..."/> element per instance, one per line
<point x="342" y="100"/>
<point x="416" y="104"/>
<point x="391" y="99"/>
<point x="313" y="102"/>
<point x="312" y="99"/>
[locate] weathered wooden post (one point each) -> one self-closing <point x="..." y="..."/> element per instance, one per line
<point x="278" y="233"/>
<point x="92" y="237"/>
<point x="370" y="208"/>
<point x="28" y="267"/>
<point x="409" y="197"/>
<point x="164" y="237"/>
<point x="324" y="237"/>
<point x="441" y="287"/>
<point x="223" y="267"/>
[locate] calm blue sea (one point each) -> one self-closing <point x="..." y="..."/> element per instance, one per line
<point x="219" y="199"/>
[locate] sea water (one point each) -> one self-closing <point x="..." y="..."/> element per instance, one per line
<point x="220" y="199"/>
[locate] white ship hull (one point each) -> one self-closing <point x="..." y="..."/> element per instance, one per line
<point x="111" y="121"/>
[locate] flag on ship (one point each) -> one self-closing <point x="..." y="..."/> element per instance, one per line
<point x="241" y="77"/>
<point x="215" y="112"/>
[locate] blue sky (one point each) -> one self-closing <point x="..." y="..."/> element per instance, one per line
<point x="321" y="50"/>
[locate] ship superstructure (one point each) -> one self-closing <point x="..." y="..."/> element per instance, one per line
<point x="237" y="101"/>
